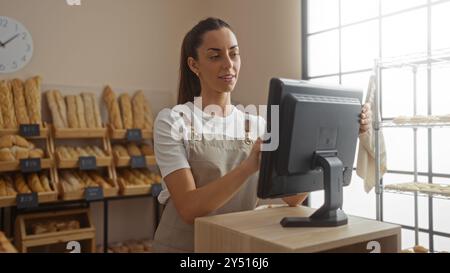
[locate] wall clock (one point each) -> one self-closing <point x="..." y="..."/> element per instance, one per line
<point x="16" y="45"/>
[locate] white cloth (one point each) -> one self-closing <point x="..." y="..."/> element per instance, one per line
<point x="365" y="167"/>
<point x="171" y="134"/>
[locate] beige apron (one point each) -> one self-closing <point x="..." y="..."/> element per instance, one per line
<point x="209" y="160"/>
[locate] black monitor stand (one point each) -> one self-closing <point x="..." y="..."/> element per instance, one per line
<point x="330" y="214"/>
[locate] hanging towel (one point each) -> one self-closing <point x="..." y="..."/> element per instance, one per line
<point x="365" y="167"/>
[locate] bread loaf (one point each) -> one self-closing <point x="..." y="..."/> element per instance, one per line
<point x="113" y="108"/>
<point x="2" y="124"/>
<point x="97" y="116"/>
<point x="89" y="110"/>
<point x="7" y="141"/>
<point x="7" y="105"/>
<point x="72" y="116"/>
<point x="33" y="99"/>
<point x="45" y="182"/>
<point x="148" y="115"/>
<point x="34" y="183"/>
<point x="36" y="153"/>
<point x="62" y="109"/>
<point x="120" y="150"/>
<point x="80" y="112"/>
<point x="19" y="102"/>
<point x="2" y="188"/>
<point x="6" y="155"/>
<point x="147" y="150"/>
<point x="133" y="150"/>
<point x="125" y="109"/>
<point x="139" y="110"/>
<point x="52" y="104"/>
<point x="20" y="184"/>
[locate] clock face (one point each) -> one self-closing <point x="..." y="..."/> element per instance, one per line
<point x="16" y="45"/>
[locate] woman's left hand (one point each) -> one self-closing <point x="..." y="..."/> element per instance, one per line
<point x="365" y="119"/>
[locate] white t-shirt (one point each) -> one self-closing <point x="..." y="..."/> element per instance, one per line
<point x="172" y="132"/>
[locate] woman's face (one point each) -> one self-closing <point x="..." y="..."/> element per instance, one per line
<point x="218" y="61"/>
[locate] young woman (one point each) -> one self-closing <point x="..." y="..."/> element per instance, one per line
<point x="215" y="174"/>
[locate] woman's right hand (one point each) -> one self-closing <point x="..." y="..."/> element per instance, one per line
<point x="252" y="162"/>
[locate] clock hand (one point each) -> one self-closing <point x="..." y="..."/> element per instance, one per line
<point x="1" y="44"/>
<point x="14" y="37"/>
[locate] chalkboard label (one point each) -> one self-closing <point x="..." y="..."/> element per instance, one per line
<point x="134" y="135"/>
<point x="156" y="189"/>
<point x="87" y="163"/>
<point x="138" y="162"/>
<point x="27" y="200"/>
<point x="93" y="193"/>
<point x="29" y="130"/>
<point x="30" y="165"/>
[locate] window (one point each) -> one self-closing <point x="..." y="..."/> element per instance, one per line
<point x="341" y="39"/>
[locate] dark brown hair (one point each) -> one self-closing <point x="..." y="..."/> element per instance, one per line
<point x="189" y="86"/>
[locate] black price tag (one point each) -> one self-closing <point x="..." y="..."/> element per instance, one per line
<point x="156" y="189"/>
<point x="30" y="130"/>
<point x="134" y="135"/>
<point x="138" y="162"/>
<point x="30" y="165"/>
<point x="93" y="193"/>
<point x="27" y="200"/>
<point x="87" y="163"/>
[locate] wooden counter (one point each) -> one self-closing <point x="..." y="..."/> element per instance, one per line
<point x="260" y="231"/>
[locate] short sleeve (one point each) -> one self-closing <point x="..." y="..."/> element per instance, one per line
<point x="170" y="150"/>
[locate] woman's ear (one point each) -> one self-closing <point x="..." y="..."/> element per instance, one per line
<point x="192" y="63"/>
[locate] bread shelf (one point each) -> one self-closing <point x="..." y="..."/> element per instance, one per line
<point x="44" y="132"/>
<point x="129" y="190"/>
<point x="5" y="245"/>
<point x="422" y="189"/>
<point x="27" y="238"/>
<point x="121" y="134"/>
<point x="74" y="163"/>
<point x="391" y="124"/>
<point x="125" y="161"/>
<point x="10" y="166"/>
<point x="82" y="133"/>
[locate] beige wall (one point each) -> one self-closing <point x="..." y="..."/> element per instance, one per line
<point x="135" y="44"/>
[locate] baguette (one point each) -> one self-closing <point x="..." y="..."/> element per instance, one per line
<point x="36" y="153"/>
<point x="120" y="150"/>
<point x="147" y="150"/>
<point x="97" y="116"/>
<point x="7" y="105"/>
<point x="6" y="155"/>
<point x="20" y="153"/>
<point x="113" y="108"/>
<point x="72" y="118"/>
<point x="34" y="183"/>
<point x="20" y="184"/>
<point x="7" y="141"/>
<point x="62" y="109"/>
<point x="148" y="115"/>
<point x="33" y="99"/>
<point x="133" y="150"/>
<point x="3" y="188"/>
<point x="125" y="109"/>
<point x="2" y="123"/>
<point x="139" y="110"/>
<point x="80" y="112"/>
<point x="53" y="105"/>
<point x="19" y="102"/>
<point x="89" y="110"/>
<point x="45" y="182"/>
